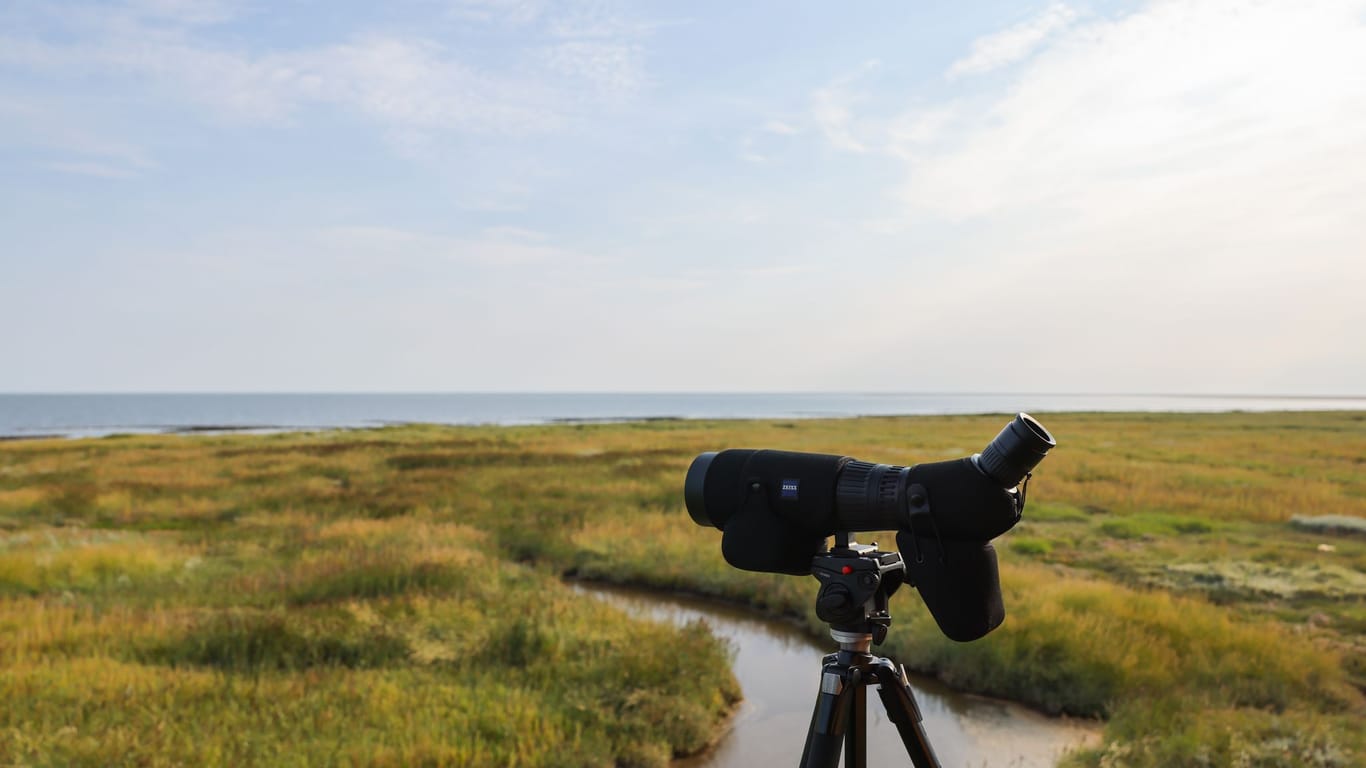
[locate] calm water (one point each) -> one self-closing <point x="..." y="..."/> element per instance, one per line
<point x="94" y="415"/>
<point x="779" y="670"/>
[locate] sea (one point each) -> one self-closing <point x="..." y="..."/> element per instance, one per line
<point x="96" y="415"/>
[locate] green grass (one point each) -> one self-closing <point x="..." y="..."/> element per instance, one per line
<point x="394" y="596"/>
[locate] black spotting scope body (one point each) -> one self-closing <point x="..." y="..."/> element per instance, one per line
<point x="776" y="509"/>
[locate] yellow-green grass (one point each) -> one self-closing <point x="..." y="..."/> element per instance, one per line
<point x="354" y="641"/>
<point x="1157" y="581"/>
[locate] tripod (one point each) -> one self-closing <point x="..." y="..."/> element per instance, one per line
<point x="856" y="580"/>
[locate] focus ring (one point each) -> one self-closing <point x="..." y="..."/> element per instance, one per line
<point x="868" y="495"/>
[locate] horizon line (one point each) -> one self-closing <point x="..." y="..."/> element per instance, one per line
<point x="864" y="393"/>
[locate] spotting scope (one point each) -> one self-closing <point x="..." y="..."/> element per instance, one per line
<point x="777" y="508"/>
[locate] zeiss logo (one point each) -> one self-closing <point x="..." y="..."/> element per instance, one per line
<point x="789" y="490"/>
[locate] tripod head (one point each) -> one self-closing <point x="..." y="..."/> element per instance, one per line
<point x="856" y="580"/>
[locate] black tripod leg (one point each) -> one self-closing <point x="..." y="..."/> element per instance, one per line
<point x="828" y="722"/>
<point x="811" y="731"/>
<point x="903" y="712"/>
<point x="856" y="727"/>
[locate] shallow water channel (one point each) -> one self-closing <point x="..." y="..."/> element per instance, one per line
<point x="778" y="667"/>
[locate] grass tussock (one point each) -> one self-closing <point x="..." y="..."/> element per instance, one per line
<point x="1087" y="647"/>
<point x="74" y="560"/>
<point x="392" y="597"/>
<point x="280" y="642"/>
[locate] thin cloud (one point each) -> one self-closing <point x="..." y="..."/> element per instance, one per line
<point x="1180" y="186"/>
<point x="1011" y="45"/>
<point x="614" y="70"/>
<point x="401" y="83"/>
<point x="186" y="12"/>
<point x="1181" y="99"/>
<point x="832" y="109"/>
<point x="908" y="134"/>
<point x="759" y="145"/>
<point x="512" y="12"/>
<point x="412" y="85"/>
<point x="58" y="131"/>
<point x="596" y="20"/>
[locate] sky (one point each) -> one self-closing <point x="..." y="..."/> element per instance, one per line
<point x="525" y="195"/>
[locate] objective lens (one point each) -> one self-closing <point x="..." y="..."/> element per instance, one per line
<point x="693" y="488"/>
<point x="1015" y="451"/>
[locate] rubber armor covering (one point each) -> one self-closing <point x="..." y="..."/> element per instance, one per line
<point x="952" y="562"/>
<point x="959" y="582"/>
<point x="765" y="529"/>
<point x="965" y="503"/>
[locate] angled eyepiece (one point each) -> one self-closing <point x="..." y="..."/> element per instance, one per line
<point x="1015" y="451"/>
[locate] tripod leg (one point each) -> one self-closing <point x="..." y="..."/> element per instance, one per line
<point x="856" y="728"/>
<point x="830" y="718"/>
<point x="811" y="732"/>
<point x="903" y="712"/>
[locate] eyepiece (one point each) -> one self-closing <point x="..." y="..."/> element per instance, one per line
<point x="693" y="486"/>
<point x="1015" y="451"/>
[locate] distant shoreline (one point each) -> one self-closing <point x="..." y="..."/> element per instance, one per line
<point x="55" y="424"/>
